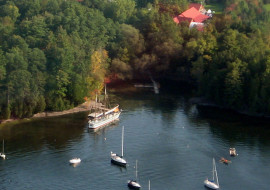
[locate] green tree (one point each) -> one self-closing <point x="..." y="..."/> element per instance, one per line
<point x="120" y="10"/>
<point x="233" y="86"/>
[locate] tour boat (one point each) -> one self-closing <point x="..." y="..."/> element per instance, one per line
<point x="133" y="184"/>
<point x="75" y="161"/>
<point x="213" y="184"/>
<point x="233" y="152"/>
<point x="2" y="154"/>
<point x="118" y="159"/>
<point x="103" y="116"/>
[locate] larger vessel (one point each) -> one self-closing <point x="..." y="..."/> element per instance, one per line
<point x="103" y="115"/>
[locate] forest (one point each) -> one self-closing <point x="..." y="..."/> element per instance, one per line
<point x="56" y="53"/>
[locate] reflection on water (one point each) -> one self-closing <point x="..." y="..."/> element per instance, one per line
<point x="75" y="165"/>
<point x="173" y="141"/>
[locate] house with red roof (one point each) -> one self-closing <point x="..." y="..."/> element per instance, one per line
<point x="196" y="15"/>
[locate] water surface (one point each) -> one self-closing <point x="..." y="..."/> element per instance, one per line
<point x="172" y="140"/>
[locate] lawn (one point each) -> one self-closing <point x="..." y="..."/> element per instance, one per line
<point x="267" y="6"/>
<point x="217" y="7"/>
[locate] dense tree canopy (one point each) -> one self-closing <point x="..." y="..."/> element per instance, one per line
<point x="54" y="53"/>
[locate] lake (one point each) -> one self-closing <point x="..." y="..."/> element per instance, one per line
<point x="173" y="141"/>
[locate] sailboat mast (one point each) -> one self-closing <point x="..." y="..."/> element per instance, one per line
<point x="105" y="95"/>
<point x="213" y="169"/>
<point x="122" y="141"/>
<point x="96" y="106"/>
<point x="216" y="174"/>
<point x="105" y="90"/>
<point x="149" y="184"/>
<point x="136" y="170"/>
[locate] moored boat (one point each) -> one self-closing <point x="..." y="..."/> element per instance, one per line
<point x="233" y="152"/>
<point x="212" y="184"/>
<point x="225" y="161"/>
<point x="75" y="161"/>
<point x="133" y="184"/>
<point x="103" y="116"/>
<point x="118" y="159"/>
<point x="2" y="154"/>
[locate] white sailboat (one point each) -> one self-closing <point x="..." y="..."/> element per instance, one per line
<point x="133" y="184"/>
<point x="104" y="116"/>
<point x="118" y="159"/>
<point x="2" y="154"/>
<point x="213" y="184"/>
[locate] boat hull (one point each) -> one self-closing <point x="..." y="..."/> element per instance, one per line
<point x="210" y="184"/>
<point x="118" y="160"/>
<point x="3" y="156"/>
<point x="106" y="120"/>
<point x="133" y="185"/>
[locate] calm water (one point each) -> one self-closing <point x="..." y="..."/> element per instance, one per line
<point x="173" y="142"/>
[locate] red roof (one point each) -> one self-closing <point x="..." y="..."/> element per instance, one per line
<point x="190" y="15"/>
<point x="201" y="18"/>
<point x="179" y="19"/>
<point x="195" y="5"/>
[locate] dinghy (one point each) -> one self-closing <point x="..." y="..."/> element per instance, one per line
<point x="75" y="161"/>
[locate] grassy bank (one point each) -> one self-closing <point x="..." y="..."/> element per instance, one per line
<point x="217" y="7"/>
<point x="267" y="6"/>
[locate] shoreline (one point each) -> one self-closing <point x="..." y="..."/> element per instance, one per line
<point x="203" y="102"/>
<point x="86" y="106"/>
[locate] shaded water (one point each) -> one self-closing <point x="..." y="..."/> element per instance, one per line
<point x="173" y="142"/>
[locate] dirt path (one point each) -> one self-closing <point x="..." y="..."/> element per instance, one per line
<point x="82" y="107"/>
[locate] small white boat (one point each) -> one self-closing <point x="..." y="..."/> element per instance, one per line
<point x="75" y="161"/>
<point x="2" y="154"/>
<point x="118" y="159"/>
<point x="133" y="184"/>
<point x="233" y="152"/>
<point x="213" y="184"/>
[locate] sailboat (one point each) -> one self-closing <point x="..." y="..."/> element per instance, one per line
<point x="103" y="115"/>
<point x="213" y="184"/>
<point x="133" y="184"/>
<point x="2" y="154"/>
<point x="118" y="159"/>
